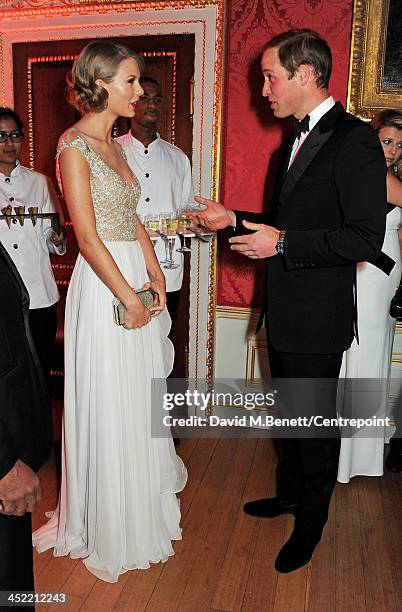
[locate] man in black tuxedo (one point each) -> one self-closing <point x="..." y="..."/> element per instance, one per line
<point x="25" y="430"/>
<point x="328" y="212"/>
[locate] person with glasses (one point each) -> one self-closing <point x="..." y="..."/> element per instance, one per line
<point x="164" y="173"/>
<point x="29" y="241"/>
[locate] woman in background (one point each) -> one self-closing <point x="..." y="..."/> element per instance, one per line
<point x="371" y="358"/>
<point x="117" y="505"/>
<point x="394" y="457"/>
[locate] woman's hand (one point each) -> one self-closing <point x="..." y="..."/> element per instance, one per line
<point x="159" y="289"/>
<point x="137" y="315"/>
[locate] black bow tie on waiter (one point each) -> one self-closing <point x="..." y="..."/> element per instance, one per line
<point x="301" y="126"/>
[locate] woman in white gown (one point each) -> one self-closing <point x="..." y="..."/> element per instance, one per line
<point x="117" y="506"/>
<point x="371" y="358"/>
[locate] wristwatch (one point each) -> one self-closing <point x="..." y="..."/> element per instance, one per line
<point x="280" y="244"/>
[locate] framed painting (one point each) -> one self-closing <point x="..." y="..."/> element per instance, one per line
<point x="375" y="74"/>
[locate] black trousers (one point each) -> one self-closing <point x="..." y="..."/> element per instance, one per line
<point x="172" y="303"/>
<point x="16" y="560"/>
<point x="43" y="324"/>
<point x="396" y="440"/>
<point x="308" y="468"/>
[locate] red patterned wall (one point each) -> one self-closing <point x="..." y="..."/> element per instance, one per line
<point x="251" y="134"/>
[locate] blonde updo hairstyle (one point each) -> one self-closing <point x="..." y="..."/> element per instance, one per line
<point x="100" y="59"/>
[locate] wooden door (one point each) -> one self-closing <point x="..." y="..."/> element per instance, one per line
<point x="39" y="91"/>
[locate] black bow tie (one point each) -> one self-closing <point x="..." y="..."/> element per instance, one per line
<point x="301" y="126"/>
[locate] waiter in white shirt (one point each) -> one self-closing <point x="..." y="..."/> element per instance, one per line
<point x="27" y="244"/>
<point x="164" y="173"/>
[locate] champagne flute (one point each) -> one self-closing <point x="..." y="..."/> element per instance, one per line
<point x="33" y="211"/>
<point x="173" y="223"/>
<point x="151" y="225"/>
<point x="191" y="204"/>
<point x="7" y="212"/>
<point x="183" y="229"/>
<point x="169" y="223"/>
<point x="19" y="212"/>
<point x="163" y="231"/>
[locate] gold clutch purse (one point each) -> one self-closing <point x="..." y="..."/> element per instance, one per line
<point x="147" y="298"/>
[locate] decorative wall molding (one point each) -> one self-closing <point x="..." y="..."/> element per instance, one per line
<point x="17" y="9"/>
<point x="242" y="355"/>
<point x="17" y="5"/>
<point x="239" y="352"/>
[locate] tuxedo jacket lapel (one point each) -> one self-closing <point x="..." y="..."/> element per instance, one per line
<point x="307" y="152"/>
<point x="305" y="156"/>
<point x="284" y="158"/>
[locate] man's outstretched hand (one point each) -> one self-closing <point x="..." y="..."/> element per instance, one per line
<point x="258" y="245"/>
<point x="214" y="217"/>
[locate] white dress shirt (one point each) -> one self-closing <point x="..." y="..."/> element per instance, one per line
<point x="29" y="245"/>
<point x="164" y="173"/>
<point x="315" y="116"/>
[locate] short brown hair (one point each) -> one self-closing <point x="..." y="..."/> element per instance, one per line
<point x="148" y="79"/>
<point x="9" y="113"/>
<point x="296" y="47"/>
<point x="100" y="59"/>
<point x="389" y="117"/>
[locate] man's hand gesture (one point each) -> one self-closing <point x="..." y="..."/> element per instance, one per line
<point x="214" y="217"/>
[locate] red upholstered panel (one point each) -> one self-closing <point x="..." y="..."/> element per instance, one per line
<point x="251" y="134"/>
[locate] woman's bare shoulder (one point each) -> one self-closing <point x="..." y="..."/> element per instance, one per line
<point x="72" y="139"/>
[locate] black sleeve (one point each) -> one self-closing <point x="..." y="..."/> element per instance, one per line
<point x="241" y="216"/>
<point x="8" y="451"/>
<point x="360" y="176"/>
<point x="25" y="419"/>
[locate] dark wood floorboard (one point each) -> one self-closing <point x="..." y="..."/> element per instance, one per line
<point x="377" y="569"/>
<point x="225" y="561"/>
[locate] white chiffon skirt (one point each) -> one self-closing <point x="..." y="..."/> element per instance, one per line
<point x="363" y="455"/>
<point x="117" y="506"/>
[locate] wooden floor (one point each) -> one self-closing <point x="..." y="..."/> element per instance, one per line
<point x="225" y="560"/>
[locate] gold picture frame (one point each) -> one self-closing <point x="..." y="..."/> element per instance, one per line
<point x="370" y="89"/>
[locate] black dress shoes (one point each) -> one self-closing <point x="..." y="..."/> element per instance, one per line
<point x="297" y="551"/>
<point x="269" y="508"/>
<point x="394" y="458"/>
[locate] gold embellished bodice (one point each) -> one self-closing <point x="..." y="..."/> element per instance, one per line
<point x="114" y="200"/>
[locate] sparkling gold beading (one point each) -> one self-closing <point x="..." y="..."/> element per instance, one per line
<point x="114" y="200"/>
